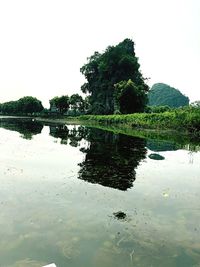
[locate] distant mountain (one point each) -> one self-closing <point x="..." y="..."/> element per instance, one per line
<point x="163" y="95"/>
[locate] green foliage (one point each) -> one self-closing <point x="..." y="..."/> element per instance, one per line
<point x="157" y="109"/>
<point x="87" y="106"/>
<point x="103" y="71"/>
<point x="29" y="104"/>
<point x="162" y="94"/>
<point x="25" y="105"/>
<point x="74" y="105"/>
<point x="129" y="98"/>
<point x="185" y="119"/>
<point x="62" y="103"/>
<point x="77" y="103"/>
<point x="10" y="107"/>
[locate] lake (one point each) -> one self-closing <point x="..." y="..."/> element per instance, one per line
<point x="85" y="197"/>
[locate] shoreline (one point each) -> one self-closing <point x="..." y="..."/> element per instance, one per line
<point x="172" y="135"/>
<point x="124" y="124"/>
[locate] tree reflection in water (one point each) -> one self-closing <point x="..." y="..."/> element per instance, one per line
<point x="26" y="127"/>
<point x="111" y="159"/>
<point x="74" y="135"/>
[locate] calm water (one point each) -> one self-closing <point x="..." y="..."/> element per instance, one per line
<point x="83" y="197"/>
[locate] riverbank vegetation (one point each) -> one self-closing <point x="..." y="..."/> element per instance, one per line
<point x="183" y="119"/>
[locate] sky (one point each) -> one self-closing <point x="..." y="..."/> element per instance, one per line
<point x="44" y="43"/>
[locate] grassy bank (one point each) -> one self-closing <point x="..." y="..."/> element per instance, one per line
<point x="123" y="124"/>
<point x="186" y="141"/>
<point x="184" y="120"/>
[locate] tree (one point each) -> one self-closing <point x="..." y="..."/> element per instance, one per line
<point x="54" y="101"/>
<point x="62" y="103"/>
<point x="76" y="103"/>
<point x="29" y="104"/>
<point x="87" y="106"/>
<point x="103" y="71"/>
<point x="129" y="98"/>
<point x="10" y="107"/>
<point x="164" y="95"/>
<point x="25" y="105"/>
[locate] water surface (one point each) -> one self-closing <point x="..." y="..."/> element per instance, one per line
<point x="84" y="197"/>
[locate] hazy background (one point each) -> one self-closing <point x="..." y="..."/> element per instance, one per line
<point x="43" y="43"/>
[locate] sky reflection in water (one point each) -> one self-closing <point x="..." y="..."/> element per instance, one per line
<point x="80" y="196"/>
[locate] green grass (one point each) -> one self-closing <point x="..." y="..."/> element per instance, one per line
<point x="185" y="120"/>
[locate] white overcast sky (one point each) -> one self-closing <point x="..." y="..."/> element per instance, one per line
<point x="43" y="43"/>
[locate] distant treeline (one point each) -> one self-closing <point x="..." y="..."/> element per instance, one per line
<point x="71" y="105"/>
<point x="25" y="105"/>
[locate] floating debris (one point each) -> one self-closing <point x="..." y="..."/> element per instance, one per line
<point x="156" y="156"/>
<point x="165" y="194"/>
<point x="120" y="215"/>
<point x="131" y="254"/>
<point x="30" y="263"/>
<point x="50" y="265"/>
<point x="123" y="238"/>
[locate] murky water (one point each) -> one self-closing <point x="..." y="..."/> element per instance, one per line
<point x="83" y="197"/>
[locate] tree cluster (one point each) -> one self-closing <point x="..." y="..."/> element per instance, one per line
<point x="72" y="105"/>
<point x="110" y="71"/>
<point x="25" y="105"/>
<point x="114" y="85"/>
<point x="128" y="98"/>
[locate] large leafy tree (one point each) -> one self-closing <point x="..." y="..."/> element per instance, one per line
<point x="103" y="71"/>
<point x="10" y="107"/>
<point x="62" y="103"/>
<point x="76" y="103"/>
<point x="129" y="98"/>
<point x="29" y="104"/>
